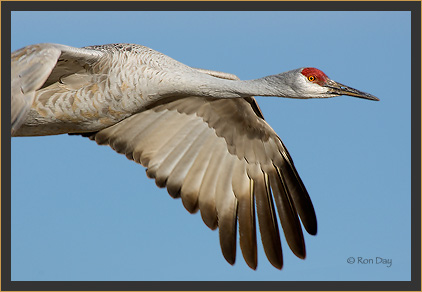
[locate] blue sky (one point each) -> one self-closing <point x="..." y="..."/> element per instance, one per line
<point x="83" y="212"/>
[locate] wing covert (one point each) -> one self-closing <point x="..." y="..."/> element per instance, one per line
<point x="35" y="66"/>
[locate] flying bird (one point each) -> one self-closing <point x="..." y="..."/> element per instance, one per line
<point x="200" y="133"/>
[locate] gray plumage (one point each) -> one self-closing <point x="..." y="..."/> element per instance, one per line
<point x="200" y="133"/>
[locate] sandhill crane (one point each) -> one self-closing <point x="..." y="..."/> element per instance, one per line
<point x="200" y="133"/>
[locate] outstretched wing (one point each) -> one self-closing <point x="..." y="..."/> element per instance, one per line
<point x="220" y="157"/>
<point x="35" y="66"/>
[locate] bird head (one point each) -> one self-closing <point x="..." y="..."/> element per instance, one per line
<point x="313" y="83"/>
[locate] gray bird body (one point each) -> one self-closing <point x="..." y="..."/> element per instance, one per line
<point x="200" y="133"/>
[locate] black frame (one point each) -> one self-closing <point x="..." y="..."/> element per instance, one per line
<point x="414" y="285"/>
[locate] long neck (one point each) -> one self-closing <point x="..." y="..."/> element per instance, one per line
<point x="238" y="88"/>
<point x="204" y="85"/>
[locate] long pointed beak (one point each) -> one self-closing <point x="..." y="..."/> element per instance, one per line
<point x="340" y="89"/>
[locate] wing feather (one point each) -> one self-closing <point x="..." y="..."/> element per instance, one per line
<point x="192" y="182"/>
<point x="298" y="192"/>
<point x="207" y="192"/>
<point x="158" y="126"/>
<point x="175" y="180"/>
<point x="287" y="214"/>
<point x="176" y="149"/>
<point x="227" y="209"/>
<point x="266" y="217"/>
<point x="149" y="140"/>
<point x="242" y="188"/>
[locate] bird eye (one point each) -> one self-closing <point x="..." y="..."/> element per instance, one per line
<point x="311" y="78"/>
